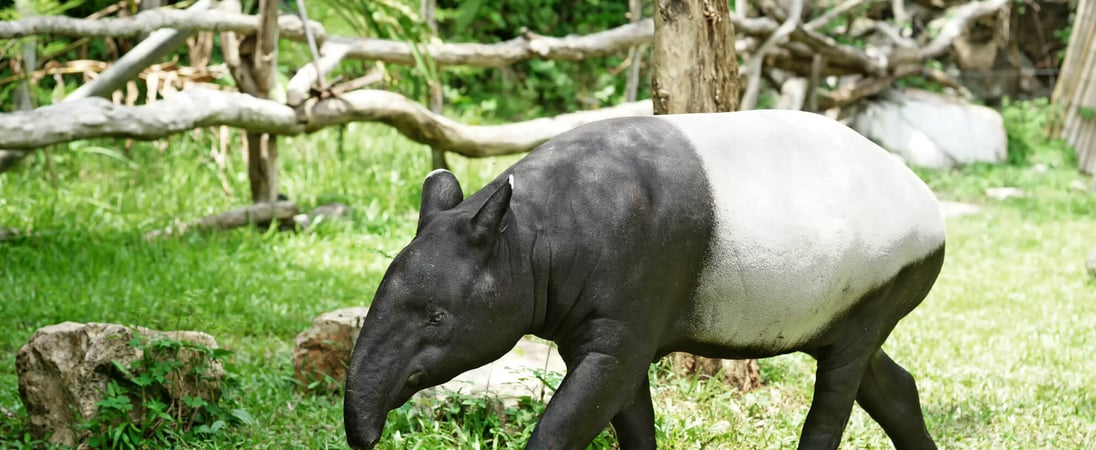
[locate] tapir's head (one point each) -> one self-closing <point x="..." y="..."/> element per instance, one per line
<point x="448" y="303"/>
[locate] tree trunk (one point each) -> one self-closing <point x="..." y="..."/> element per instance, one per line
<point x="262" y="149"/>
<point x="635" y="56"/>
<point x="1075" y="92"/>
<point x="694" y="69"/>
<point x="437" y="99"/>
<point x="693" y="60"/>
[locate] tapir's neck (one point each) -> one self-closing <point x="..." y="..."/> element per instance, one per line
<point x="550" y="276"/>
<point x="517" y="258"/>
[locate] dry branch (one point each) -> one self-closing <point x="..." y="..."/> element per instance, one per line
<point x="152" y="20"/>
<point x="527" y="46"/>
<point x="842" y="58"/>
<point x="958" y="18"/>
<point x="753" y="71"/>
<point x="198" y="107"/>
<point x="296" y="92"/>
<point x="149" y="51"/>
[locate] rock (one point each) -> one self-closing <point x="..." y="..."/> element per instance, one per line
<point x="328" y="211"/>
<point x="1091" y="262"/>
<point x="1004" y="193"/>
<point x="64" y="370"/>
<point x="932" y="130"/>
<point x="323" y="352"/>
<point x="1077" y="185"/>
<point x="515" y="374"/>
<point x="956" y="209"/>
<point x="334" y="210"/>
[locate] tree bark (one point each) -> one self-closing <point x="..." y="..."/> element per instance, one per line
<point x="437" y="98"/>
<point x="694" y="69"/>
<point x="262" y="149"/>
<point x="635" y="56"/>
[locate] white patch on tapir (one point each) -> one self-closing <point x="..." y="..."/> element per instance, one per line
<point x="435" y="172"/>
<point x="810" y="216"/>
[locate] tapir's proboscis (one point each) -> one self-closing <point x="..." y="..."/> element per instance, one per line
<point x="729" y="235"/>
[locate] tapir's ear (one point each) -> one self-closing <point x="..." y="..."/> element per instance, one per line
<point x="440" y="191"/>
<point x="491" y="219"/>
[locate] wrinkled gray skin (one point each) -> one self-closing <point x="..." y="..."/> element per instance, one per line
<point x="598" y="245"/>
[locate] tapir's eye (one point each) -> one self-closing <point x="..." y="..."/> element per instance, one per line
<point x="437" y="318"/>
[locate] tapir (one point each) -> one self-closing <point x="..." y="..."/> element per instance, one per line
<point x="726" y="235"/>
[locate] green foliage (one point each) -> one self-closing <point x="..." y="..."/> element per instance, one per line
<point x="395" y="20"/>
<point x="1026" y="123"/>
<point x="138" y="411"/>
<point x="1087" y="113"/>
<point x="534" y="87"/>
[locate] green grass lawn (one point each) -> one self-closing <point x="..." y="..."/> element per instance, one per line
<point x="1002" y="349"/>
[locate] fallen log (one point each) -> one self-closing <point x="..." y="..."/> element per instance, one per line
<point x="258" y="213"/>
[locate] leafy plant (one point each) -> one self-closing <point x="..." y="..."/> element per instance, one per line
<point x="139" y="410"/>
<point x="1025" y="125"/>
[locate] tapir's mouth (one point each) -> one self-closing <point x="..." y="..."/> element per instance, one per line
<point x="364" y="426"/>
<point x="365" y="445"/>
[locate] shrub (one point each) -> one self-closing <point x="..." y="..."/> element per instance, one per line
<point x="142" y="410"/>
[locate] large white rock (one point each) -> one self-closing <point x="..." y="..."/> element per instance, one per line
<point x="322" y="355"/>
<point x="64" y="370"/>
<point x="933" y="130"/>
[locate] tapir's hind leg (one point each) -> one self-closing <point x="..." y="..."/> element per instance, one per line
<point x="889" y="394"/>
<point x="635" y="425"/>
<point x="836" y="382"/>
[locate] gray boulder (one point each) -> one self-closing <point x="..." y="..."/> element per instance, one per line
<point x="933" y="130"/>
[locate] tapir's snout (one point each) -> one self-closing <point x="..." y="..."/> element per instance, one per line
<point x="361" y="433"/>
<point x="361" y="442"/>
<point x="363" y="422"/>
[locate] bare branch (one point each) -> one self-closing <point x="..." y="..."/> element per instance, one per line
<point x="297" y="90"/>
<point x="152" y="49"/>
<point x="961" y="16"/>
<point x="152" y="20"/>
<point x="198" y="107"/>
<point x="312" y="45"/>
<point x="831" y="14"/>
<point x="529" y="45"/>
<point x="753" y="71"/>
<point x="420" y="125"/>
<point x="866" y="87"/>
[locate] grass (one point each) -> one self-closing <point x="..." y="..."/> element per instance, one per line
<point x="1002" y="349"/>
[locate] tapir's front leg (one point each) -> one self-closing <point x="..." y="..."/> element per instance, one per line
<point x="596" y="388"/>
<point x="635" y="425"/>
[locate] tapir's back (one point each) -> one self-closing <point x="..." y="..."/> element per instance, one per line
<point x="809" y="216"/>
